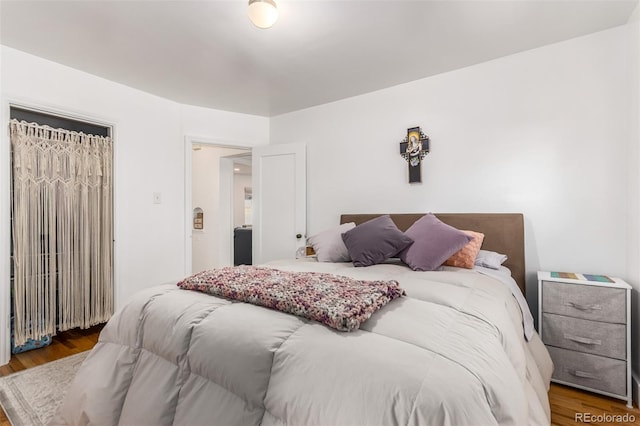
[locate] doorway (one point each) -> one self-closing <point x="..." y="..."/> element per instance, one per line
<point x="242" y="212"/>
<point x="216" y="178"/>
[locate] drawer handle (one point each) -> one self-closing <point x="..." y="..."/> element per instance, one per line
<point x="583" y="374"/>
<point x="583" y="307"/>
<point x="584" y="340"/>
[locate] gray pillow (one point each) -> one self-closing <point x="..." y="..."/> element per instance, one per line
<point x="328" y="244"/>
<point x="490" y="259"/>
<point x="434" y="242"/>
<point x="375" y="241"/>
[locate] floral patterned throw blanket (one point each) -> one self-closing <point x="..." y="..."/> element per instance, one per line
<point x="337" y="301"/>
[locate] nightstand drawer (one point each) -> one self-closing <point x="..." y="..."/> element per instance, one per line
<point x="581" y="301"/>
<point x="591" y="371"/>
<point x="593" y="337"/>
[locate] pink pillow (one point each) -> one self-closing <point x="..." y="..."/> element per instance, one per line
<point x="466" y="257"/>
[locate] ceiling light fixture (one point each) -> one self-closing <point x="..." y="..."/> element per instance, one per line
<point x="263" y="13"/>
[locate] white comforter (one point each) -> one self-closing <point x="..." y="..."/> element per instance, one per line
<point x="451" y="352"/>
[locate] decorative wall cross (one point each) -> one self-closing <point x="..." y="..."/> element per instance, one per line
<point x="414" y="148"/>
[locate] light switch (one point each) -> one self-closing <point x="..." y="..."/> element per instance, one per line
<point x="157" y="198"/>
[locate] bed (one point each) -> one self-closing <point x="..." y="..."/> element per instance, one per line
<point x="452" y="351"/>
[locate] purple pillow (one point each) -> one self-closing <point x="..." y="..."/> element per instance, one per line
<point x="375" y="241"/>
<point x="435" y="242"/>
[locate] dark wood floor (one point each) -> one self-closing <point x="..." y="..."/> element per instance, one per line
<point x="565" y="401"/>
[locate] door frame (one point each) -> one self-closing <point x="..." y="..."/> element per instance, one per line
<point x="5" y="205"/>
<point x="226" y="222"/>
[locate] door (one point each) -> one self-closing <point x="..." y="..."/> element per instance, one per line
<point x="279" y="201"/>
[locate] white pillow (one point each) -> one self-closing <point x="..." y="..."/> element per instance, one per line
<point x="329" y="246"/>
<point x="490" y="259"/>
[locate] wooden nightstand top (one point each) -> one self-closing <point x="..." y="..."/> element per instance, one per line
<point x="618" y="282"/>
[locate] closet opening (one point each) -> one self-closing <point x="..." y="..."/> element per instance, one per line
<point x="58" y="122"/>
<point x="61" y="231"/>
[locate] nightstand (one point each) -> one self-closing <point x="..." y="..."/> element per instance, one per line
<point x="586" y="326"/>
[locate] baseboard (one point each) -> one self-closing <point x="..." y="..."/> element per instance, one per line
<point x="635" y="385"/>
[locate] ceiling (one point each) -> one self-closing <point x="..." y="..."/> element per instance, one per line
<point x="207" y="53"/>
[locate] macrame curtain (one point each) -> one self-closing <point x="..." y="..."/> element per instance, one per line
<point x="62" y="230"/>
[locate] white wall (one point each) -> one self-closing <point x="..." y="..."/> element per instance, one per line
<point x="206" y="195"/>
<point x="147" y="152"/>
<point x="224" y="128"/>
<point x="633" y="241"/>
<point x="149" y="157"/>
<point x="543" y="132"/>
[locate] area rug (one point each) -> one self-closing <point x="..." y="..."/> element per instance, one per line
<point x="32" y="396"/>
